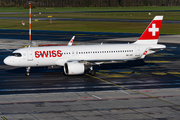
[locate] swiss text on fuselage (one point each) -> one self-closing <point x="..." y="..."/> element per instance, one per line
<point x="49" y="53"/>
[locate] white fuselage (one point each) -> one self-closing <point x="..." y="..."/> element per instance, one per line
<point x="59" y="55"/>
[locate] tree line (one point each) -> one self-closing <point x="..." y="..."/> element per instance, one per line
<point x="88" y="3"/>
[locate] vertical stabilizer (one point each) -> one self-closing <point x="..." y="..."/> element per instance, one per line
<point x="151" y="34"/>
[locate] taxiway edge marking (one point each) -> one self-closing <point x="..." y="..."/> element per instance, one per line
<point x="3" y="118"/>
<point x="132" y="90"/>
<point x="96" y="97"/>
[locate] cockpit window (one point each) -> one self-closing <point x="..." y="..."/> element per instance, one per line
<point x="17" y="54"/>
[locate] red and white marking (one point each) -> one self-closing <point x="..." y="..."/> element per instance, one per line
<point x="153" y="29"/>
<point x="30" y="21"/>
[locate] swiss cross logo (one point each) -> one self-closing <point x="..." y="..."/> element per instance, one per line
<point x="153" y="29"/>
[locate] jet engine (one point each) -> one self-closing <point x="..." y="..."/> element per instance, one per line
<point x="74" y="68"/>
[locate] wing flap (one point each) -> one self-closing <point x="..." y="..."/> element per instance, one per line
<point x="100" y="61"/>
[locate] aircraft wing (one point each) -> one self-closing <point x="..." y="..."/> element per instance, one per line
<point x="98" y="62"/>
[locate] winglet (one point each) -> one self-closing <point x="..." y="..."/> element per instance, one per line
<point x="71" y="41"/>
<point x="151" y="34"/>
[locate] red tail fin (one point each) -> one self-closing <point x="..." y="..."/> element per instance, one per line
<point x="151" y="34"/>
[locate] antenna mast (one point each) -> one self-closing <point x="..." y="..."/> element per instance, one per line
<point x="30" y="23"/>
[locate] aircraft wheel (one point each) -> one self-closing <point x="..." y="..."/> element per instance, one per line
<point x="27" y="74"/>
<point x="92" y="72"/>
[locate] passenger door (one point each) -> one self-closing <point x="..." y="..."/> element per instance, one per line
<point x="30" y="55"/>
<point x="137" y="51"/>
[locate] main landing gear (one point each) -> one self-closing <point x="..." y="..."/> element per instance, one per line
<point x="28" y="71"/>
<point x="92" y="72"/>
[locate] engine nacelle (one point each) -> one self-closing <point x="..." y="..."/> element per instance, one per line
<point x="74" y="68"/>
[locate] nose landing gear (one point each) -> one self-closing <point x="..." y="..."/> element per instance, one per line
<point x="28" y="71"/>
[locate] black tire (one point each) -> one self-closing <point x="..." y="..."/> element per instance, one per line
<point x="92" y="72"/>
<point x="27" y="74"/>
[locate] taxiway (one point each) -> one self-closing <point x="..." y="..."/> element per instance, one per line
<point x="140" y="90"/>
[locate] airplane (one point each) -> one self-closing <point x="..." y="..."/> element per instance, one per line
<point x="77" y="59"/>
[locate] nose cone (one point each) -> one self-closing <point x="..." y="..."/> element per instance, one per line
<point x="8" y="61"/>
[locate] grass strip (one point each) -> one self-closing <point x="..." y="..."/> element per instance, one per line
<point x="106" y="15"/>
<point x="90" y="26"/>
<point x="66" y="9"/>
